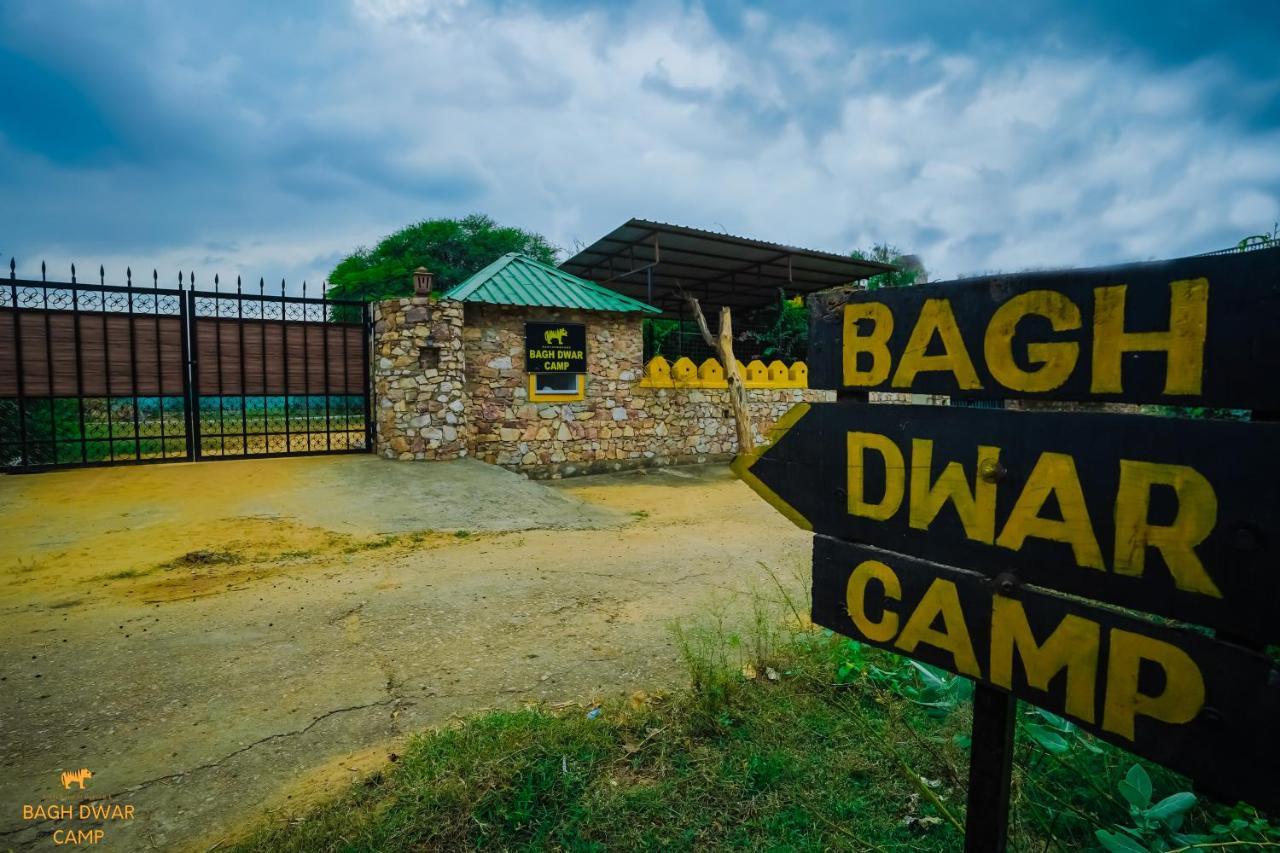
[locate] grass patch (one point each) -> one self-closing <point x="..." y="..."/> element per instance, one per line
<point x="788" y="738"/>
<point x="125" y="574"/>
<point x="385" y="541"/>
<point x="779" y="767"/>
<point x="20" y="567"/>
<point x="201" y="558"/>
<point x="296" y="555"/>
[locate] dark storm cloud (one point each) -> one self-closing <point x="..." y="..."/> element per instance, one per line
<point x="275" y="137"/>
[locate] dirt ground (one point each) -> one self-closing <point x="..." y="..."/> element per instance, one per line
<point x="221" y="641"/>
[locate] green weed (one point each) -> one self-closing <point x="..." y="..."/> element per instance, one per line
<point x="125" y="574"/>
<point x="788" y="737"/>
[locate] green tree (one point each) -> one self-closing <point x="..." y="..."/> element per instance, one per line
<point x="1260" y="240"/>
<point x="905" y="275"/>
<point x="453" y="249"/>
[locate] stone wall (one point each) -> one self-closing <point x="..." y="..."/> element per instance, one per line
<point x="449" y="381"/>
<point x="418" y="375"/>
<point x="619" y="424"/>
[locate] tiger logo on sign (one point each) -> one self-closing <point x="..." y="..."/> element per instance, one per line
<point x="555" y="336"/>
<point x="75" y="776"/>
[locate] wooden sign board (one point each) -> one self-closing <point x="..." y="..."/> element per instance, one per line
<point x="1192" y="332"/>
<point x="1171" y="516"/>
<point x="1200" y="706"/>
<point x="1165" y="515"/>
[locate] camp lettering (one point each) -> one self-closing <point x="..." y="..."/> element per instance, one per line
<point x="970" y="487"/>
<point x="1054" y="352"/>
<point x="1072" y="650"/>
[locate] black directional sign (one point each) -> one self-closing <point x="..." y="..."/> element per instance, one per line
<point x="1193" y="331"/>
<point x="1165" y="515"/>
<point x="1025" y="549"/>
<point x="1171" y="694"/>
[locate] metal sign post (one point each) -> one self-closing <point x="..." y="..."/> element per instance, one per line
<point x="986" y="825"/>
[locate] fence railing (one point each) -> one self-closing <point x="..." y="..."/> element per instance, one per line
<point x="683" y="373"/>
<point x="96" y="373"/>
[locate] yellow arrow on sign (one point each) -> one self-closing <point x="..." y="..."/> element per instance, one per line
<point x="743" y="462"/>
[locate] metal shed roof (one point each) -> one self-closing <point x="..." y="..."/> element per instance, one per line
<point x="653" y="260"/>
<point x="516" y="279"/>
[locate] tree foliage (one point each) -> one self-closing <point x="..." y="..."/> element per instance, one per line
<point x="887" y="254"/>
<point x="1256" y="241"/>
<point x="781" y="330"/>
<point x="453" y="249"/>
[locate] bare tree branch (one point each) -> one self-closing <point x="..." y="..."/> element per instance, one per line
<point x="723" y="347"/>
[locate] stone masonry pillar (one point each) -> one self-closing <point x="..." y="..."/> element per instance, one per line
<point x="419" y="379"/>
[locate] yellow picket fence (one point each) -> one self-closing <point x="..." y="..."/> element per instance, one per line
<point x="659" y="373"/>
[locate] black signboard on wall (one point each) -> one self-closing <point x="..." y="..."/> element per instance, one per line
<point x="555" y="347"/>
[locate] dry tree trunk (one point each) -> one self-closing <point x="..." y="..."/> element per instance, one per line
<point x="723" y="346"/>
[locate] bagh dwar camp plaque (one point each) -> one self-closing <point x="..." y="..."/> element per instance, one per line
<point x="555" y="347"/>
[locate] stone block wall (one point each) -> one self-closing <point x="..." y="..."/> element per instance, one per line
<point x="545" y="439"/>
<point x="619" y="423"/>
<point x="418" y="379"/>
<point x="449" y="381"/>
<point x="697" y="424"/>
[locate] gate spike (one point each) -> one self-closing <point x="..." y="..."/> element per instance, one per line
<point x="282" y="287"/>
<point x="179" y="279"/>
<point x="12" y="267"/>
<point x="102" y="274"/>
<point x="215" y="281"/>
<point x="73" y="273"/>
<point x="193" y="279"/>
<point x="155" y="278"/>
<point x="237" y="283"/>
<point x="304" y="288"/>
<point x="128" y="276"/>
<point x="324" y="289"/>
<point x="260" y="285"/>
<point x="42" y="271"/>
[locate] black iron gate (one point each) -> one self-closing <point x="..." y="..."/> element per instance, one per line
<point x="96" y="374"/>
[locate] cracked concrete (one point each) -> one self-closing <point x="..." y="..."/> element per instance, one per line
<point x="291" y="654"/>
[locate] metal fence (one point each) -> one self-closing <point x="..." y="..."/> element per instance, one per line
<point x="98" y="374"/>
<point x="779" y="331"/>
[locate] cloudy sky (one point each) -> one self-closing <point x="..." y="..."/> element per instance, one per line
<point x="272" y="138"/>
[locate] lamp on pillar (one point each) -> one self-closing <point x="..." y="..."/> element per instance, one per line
<point x="423" y="279"/>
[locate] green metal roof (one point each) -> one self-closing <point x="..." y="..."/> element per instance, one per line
<point x="516" y="279"/>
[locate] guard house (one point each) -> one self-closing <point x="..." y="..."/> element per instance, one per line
<point x="539" y="370"/>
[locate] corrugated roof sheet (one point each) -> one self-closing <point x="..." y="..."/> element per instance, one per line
<point x="657" y="261"/>
<point x="516" y="279"/>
